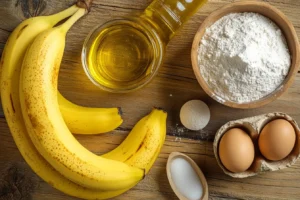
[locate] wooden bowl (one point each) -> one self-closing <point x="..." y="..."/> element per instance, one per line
<point x="198" y="171"/>
<point x="278" y="18"/>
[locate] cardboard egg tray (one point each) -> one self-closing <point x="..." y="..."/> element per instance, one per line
<point x="253" y="126"/>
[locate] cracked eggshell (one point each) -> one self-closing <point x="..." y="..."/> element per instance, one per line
<point x="253" y="126"/>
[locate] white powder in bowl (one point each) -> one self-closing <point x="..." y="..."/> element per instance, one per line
<point x="243" y="57"/>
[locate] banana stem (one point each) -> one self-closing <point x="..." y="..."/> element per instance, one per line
<point x="85" y="4"/>
<point x="63" y="14"/>
<point x="69" y="23"/>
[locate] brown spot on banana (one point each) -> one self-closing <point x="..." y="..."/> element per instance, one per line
<point x="55" y="72"/>
<point x="27" y="103"/>
<point x="21" y="30"/>
<point x="128" y="158"/>
<point x="3" y="56"/>
<point x="140" y="146"/>
<point x="54" y="80"/>
<point x="12" y="103"/>
<point x="34" y="122"/>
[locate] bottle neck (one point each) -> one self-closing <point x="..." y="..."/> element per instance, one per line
<point x="167" y="16"/>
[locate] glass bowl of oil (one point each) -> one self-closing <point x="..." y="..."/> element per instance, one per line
<point x="122" y="55"/>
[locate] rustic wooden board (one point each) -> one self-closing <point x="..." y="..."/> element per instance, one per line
<point x="171" y="88"/>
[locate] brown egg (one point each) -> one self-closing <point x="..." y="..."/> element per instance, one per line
<point x="277" y="139"/>
<point x="236" y="150"/>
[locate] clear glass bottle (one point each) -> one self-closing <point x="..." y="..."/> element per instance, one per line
<point x="123" y="55"/>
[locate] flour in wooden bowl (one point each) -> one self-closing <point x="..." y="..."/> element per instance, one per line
<point x="243" y="57"/>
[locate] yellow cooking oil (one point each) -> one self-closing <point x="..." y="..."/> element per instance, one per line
<point x="122" y="55"/>
<point x="125" y="54"/>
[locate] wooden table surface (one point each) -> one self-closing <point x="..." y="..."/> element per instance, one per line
<point x="171" y="88"/>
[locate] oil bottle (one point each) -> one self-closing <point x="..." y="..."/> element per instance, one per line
<point x="123" y="55"/>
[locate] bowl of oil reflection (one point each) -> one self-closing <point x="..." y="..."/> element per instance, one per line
<point x="122" y="55"/>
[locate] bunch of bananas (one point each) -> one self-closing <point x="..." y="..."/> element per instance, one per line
<point x="41" y="120"/>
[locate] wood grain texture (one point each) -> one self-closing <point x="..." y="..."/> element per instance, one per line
<point x="171" y="88"/>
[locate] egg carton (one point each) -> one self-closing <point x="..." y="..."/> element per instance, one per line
<point x="253" y="126"/>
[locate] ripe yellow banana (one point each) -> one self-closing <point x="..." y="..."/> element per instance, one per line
<point x="80" y="120"/>
<point x="150" y="128"/>
<point x="85" y="120"/>
<point x="45" y="124"/>
<point x="163" y="134"/>
<point x="24" y="34"/>
<point x="13" y="114"/>
<point x="132" y="142"/>
<point x="10" y="101"/>
<point x="151" y="146"/>
<point x="20" y="38"/>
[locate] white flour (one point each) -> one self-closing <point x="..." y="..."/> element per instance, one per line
<point x="243" y="57"/>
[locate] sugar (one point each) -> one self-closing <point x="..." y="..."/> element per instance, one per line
<point x="186" y="179"/>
